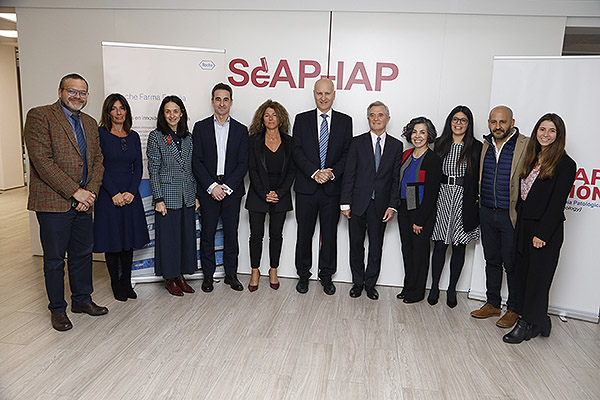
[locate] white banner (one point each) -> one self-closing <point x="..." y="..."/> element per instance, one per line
<point x="145" y="74"/>
<point x="569" y="87"/>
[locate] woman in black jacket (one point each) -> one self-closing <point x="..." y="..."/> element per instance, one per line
<point x="546" y="179"/>
<point x="457" y="220"/>
<point x="420" y="175"/>
<point x="271" y="175"/>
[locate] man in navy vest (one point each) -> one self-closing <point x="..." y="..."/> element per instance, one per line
<point x="501" y="162"/>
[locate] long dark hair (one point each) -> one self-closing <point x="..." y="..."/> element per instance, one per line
<point x="106" y="121"/>
<point x="444" y="142"/>
<point x="552" y="154"/>
<point x="161" y="121"/>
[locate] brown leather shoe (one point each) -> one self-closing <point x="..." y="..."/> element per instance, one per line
<point x="486" y="311"/>
<point x="508" y="320"/>
<point x="173" y="287"/>
<point x="90" y="308"/>
<point x="61" y="322"/>
<point x="183" y="285"/>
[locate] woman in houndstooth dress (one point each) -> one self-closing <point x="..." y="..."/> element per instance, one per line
<point x="457" y="219"/>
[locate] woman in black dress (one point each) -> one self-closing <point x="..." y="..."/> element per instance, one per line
<point x="420" y="176"/>
<point x="119" y="220"/>
<point x="271" y="175"/>
<point x="546" y="179"/>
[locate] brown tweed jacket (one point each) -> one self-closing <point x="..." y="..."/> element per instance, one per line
<point x="55" y="160"/>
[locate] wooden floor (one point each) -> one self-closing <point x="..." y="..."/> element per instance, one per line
<point x="269" y="344"/>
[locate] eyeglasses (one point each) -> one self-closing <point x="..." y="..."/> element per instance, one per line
<point x="74" y="92"/>
<point x="123" y="144"/>
<point x="461" y="121"/>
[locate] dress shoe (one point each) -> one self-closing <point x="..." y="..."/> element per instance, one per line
<point x="486" y="311"/>
<point x="207" y="284"/>
<point x="408" y="300"/>
<point x="183" y="285"/>
<point x="508" y="320"/>
<point x="173" y="287"/>
<point x="302" y="285"/>
<point x="356" y="291"/>
<point x="131" y="294"/>
<point x="273" y="274"/>
<point x="328" y="287"/>
<point x="401" y="295"/>
<point x="233" y="281"/>
<point x="543" y="330"/>
<point x="433" y="297"/>
<point x="372" y="293"/>
<point x="522" y="331"/>
<point x="90" y="308"/>
<point x="61" y="322"/>
<point x="451" y="298"/>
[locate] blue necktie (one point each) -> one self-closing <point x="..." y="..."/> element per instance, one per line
<point x="80" y="136"/>
<point x="377" y="160"/>
<point x="323" y="140"/>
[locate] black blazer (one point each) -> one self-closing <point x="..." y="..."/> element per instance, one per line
<point x="259" y="176"/>
<point x="306" y="150"/>
<point x="204" y="156"/>
<point x="470" y="209"/>
<point x="546" y="200"/>
<point x="432" y="166"/>
<point x="360" y="178"/>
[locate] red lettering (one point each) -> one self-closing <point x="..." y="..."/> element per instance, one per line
<point x="595" y="176"/>
<point x="303" y="74"/>
<point x="359" y="68"/>
<point x="254" y="76"/>
<point x="581" y="176"/>
<point x="340" y="75"/>
<point x="380" y="77"/>
<point x="283" y="66"/>
<point x="583" y="192"/>
<point x="572" y="192"/>
<point x="241" y="72"/>
<point x="596" y="194"/>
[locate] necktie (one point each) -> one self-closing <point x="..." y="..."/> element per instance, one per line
<point x="323" y="140"/>
<point x="377" y="160"/>
<point x="80" y="136"/>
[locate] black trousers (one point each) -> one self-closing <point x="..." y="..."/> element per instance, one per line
<point x="497" y="239"/>
<point x="257" y="231"/>
<point x="70" y="232"/>
<point x="372" y="223"/>
<point x="229" y="211"/>
<point x="415" y="252"/>
<point x="534" y="272"/>
<point x="175" y="249"/>
<point x="327" y="208"/>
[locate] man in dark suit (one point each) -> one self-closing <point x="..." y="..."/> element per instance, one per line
<point x="220" y="161"/>
<point x="370" y="196"/>
<point x="66" y="173"/>
<point x="321" y="139"/>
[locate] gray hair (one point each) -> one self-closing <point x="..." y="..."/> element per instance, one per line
<point x="378" y="103"/>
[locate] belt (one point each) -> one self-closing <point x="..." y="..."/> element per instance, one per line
<point x="453" y="180"/>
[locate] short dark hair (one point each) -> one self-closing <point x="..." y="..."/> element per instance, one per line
<point x="161" y="121"/>
<point x="431" y="132"/>
<point x="61" y="85"/>
<point x="106" y="121"/>
<point x="222" y="86"/>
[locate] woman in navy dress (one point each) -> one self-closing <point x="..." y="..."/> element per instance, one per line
<point x="546" y="179"/>
<point x="173" y="186"/>
<point x="119" y="220"/>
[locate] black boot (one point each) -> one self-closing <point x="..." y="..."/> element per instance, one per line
<point x="112" y="264"/>
<point x="521" y="331"/>
<point x="437" y="265"/>
<point x="126" y="260"/>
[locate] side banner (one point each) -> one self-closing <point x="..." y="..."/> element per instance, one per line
<point x="569" y="87"/>
<point x="145" y="74"/>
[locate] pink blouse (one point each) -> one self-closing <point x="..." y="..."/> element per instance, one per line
<point x="527" y="183"/>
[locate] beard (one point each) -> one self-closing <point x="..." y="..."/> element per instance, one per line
<point x="501" y="134"/>
<point x="72" y="106"/>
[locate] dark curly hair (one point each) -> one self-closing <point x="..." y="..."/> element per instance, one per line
<point x="431" y="132"/>
<point x="258" y="125"/>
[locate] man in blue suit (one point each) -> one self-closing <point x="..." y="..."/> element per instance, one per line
<point x="321" y="139"/>
<point x="220" y="161"/>
<point x="370" y="196"/>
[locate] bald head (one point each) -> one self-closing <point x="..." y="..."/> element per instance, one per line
<point x="324" y="93"/>
<point x="501" y="123"/>
<point x="504" y="109"/>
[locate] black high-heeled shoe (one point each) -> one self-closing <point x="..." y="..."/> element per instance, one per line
<point x="451" y="298"/>
<point x="434" y="295"/>
<point x="542" y="330"/>
<point x="522" y="331"/>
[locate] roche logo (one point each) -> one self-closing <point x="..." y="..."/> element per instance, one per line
<point x="206" y="65"/>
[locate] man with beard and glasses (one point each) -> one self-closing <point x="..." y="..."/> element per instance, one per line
<point x="501" y="161"/>
<point x="66" y="173"/>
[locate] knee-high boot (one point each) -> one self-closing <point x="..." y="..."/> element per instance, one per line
<point x="112" y="264"/>
<point x="126" y="261"/>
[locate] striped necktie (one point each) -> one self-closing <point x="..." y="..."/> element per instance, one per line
<point x="323" y="140"/>
<point x="81" y="142"/>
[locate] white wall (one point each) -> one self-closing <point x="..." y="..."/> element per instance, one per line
<point x="11" y="154"/>
<point x="443" y="59"/>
